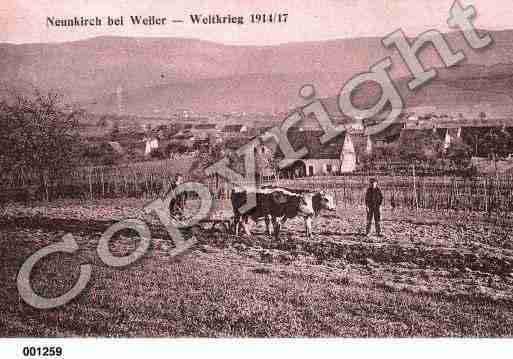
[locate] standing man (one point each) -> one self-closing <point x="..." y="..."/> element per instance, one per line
<point x="373" y="201"/>
<point x="177" y="202"/>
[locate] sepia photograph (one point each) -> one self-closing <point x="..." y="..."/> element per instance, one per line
<point x="237" y="169"/>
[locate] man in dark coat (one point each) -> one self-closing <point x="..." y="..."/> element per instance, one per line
<point x="373" y="201"/>
<point x="176" y="204"/>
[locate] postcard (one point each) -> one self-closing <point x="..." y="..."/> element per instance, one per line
<point x="241" y="169"/>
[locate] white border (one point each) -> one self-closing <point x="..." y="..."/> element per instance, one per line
<point x="81" y="348"/>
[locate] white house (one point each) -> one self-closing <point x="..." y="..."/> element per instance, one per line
<point x="348" y="156"/>
<point x="322" y="160"/>
<point x="151" y="144"/>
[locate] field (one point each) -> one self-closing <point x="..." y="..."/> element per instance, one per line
<point x="433" y="274"/>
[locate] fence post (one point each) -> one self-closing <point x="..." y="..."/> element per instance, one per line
<point x="485" y="185"/>
<point x="415" y="189"/>
<point x="45" y="183"/>
<point x="498" y="192"/>
<point x="90" y="183"/>
<point x="103" y="183"/>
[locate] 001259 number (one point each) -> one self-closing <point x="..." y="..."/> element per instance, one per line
<point x="42" y="351"/>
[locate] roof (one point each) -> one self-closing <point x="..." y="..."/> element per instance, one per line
<point x="409" y="133"/>
<point x="391" y="131"/>
<point x="262" y="130"/>
<point x="233" y="128"/>
<point x="442" y="132"/>
<point x="183" y="136"/>
<point x="205" y="126"/>
<point x="116" y="147"/>
<point x="311" y="140"/>
<point x="472" y="131"/>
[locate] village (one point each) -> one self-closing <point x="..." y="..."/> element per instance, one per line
<point x="435" y="141"/>
<point x="324" y="177"/>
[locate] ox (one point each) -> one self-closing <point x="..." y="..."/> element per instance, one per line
<point x="277" y="205"/>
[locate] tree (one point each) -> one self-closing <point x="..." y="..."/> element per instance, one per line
<point x="176" y="147"/>
<point x="475" y="138"/>
<point x="277" y="157"/>
<point x="157" y="153"/>
<point x="99" y="155"/>
<point x="208" y="155"/>
<point x="420" y="145"/>
<point x="205" y="157"/>
<point x="459" y="152"/>
<point x="114" y="131"/>
<point x="383" y="152"/>
<point x="39" y="135"/>
<point x="496" y="143"/>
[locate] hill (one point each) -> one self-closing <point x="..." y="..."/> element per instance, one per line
<point x="159" y="75"/>
<point x="464" y="89"/>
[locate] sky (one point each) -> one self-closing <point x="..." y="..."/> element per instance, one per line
<point x="25" y="21"/>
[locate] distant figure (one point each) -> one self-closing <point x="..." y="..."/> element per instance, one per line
<point x="176" y="204"/>
<point x="373" y="200"/>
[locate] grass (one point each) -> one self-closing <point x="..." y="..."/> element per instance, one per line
<point x="219" y="290"/>
<point x="212" y="292"/>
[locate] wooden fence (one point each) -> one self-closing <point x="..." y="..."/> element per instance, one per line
<point x="151" y="180"/>
<point x="145" y="179"/>
<point x="493" y="194"/>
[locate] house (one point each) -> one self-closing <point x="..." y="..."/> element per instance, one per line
<point x="348" y="156"/>
<point x="335" y="157"/>
<point x="390" y="134"/>
<point x="205" y="131"/>
<point x="234" y="130"/>
<point x="152" y="144"/>
<point x="448" y="135"/>
<point x="116" y="146"/>
<point x="488" y="166"/>
<point x="330" y="160"/>
<point x="409" y="135"/>
<point x="185" y="138"/>
<point x="204" y="127"/>
<point x="264" y="159"/>
<point x="368" y="145"/>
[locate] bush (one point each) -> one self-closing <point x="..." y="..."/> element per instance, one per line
<point x="176" y="147"/>
<point x="100" y="155"/>
<point x="156" y="153"/>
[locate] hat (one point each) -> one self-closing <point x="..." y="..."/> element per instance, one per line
<point x="373" y="180"/>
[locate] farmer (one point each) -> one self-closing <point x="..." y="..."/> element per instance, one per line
<point x="373" y="200"/>
<point x="176" y="203"/>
